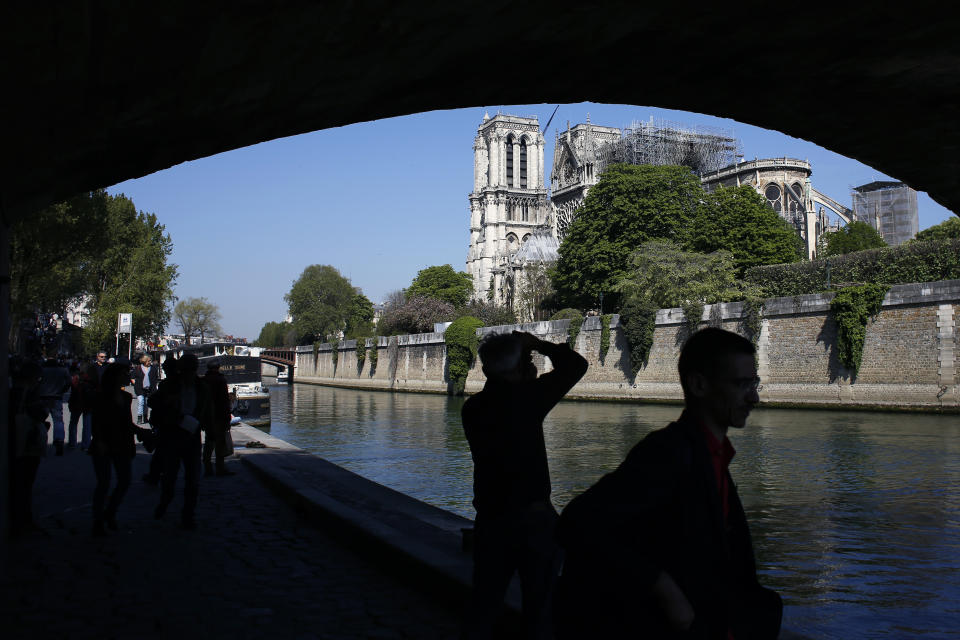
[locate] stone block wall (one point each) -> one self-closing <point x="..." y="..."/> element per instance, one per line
<point x="908" y="356"/>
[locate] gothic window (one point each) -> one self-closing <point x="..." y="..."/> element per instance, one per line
<point x="523" y="166"/>
<point x="510" y="160"/>
<point x="511" y="243"/>
<point x="525" y="238"/>
<point x="526" y="211"/>
<point x="774" y="197"/>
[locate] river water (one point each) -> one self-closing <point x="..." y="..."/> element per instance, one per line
<point x="855" y="515"/>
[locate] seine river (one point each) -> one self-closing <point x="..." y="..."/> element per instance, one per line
<point x="855" y="516"/>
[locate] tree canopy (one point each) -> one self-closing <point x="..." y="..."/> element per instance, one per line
<point x="634" y="204"/>
<point x="276" y="334"/>
<point x="197" y="316"/>
<point x="947" y="230"/>
<point x="628" y="206"/>
<point x="665" y="275"/>
<point x="359" y="317"/>
<point x="856" y="236"/>
<point x="98" y="250"/>
<point x="319" y="301"/>
<point x="442" y="283"/>
<point x="739" y="220"/>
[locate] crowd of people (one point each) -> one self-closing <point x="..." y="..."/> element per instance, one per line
<point x="168" y="412"/>
<point x="659" y="547"/>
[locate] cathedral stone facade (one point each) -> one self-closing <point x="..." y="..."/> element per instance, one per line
<point x="508" y="203"/>
<point x="579" y="157"/>
<point x="514" y="226"/>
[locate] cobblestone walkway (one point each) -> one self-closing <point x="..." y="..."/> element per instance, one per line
<point x="252" y="570"/>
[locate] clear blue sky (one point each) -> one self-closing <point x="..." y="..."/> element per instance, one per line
<point x="378" y="201"/>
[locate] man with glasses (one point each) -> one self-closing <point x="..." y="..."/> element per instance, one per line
<point x="100" y="365"/>
<point x="660" y="548"/>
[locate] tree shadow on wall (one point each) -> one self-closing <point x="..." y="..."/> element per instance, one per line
<point x="828" y="337"/>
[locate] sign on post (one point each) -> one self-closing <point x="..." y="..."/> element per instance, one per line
<point x="126" y="323"/>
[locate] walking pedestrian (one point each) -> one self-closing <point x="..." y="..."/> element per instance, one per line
<point x="186" y="409"/>
<point x="26" y="442"/>
<point x="54" y="382"/>
<point x="113" y="445"/>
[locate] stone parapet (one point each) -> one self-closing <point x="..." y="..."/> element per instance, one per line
<point x="909" y="355"/>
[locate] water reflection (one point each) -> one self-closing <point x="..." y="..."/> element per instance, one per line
<point x="855" y="516"/>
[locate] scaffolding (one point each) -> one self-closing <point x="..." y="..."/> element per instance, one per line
<point x="703" y="149"/>
<point x="888" y="207"/>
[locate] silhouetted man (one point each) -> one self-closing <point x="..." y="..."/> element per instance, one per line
<point x="511" y="479"/>
<point x="185" y="408"/>
<point x="215" y="436"/>
<point x="660" y="547"/>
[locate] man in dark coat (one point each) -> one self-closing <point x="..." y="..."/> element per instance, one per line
<point x="660" y="548"/>
<point x="215" y="437"/>
<point x="515" y="519"/>
<point x="182" y="409"/>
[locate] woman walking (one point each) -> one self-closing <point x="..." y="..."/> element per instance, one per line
<point x="113" y="445"/>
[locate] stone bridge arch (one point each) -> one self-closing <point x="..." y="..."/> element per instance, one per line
<point x="102" y="91"/>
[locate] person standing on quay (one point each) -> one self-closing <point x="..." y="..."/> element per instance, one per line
<point x="215" y="437"/>
<point x="515" y="519"/>
<point x="660" y="547"/>
<point x="185" y="408"/>
<point x="54" y="382"/>
<point x="146" y="376"/>
<point x="112" y="446"/>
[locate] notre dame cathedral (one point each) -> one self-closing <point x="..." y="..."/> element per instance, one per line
<point x="515" y="227"/>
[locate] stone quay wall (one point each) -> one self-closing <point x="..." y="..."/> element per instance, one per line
<point x="909" y="355"/>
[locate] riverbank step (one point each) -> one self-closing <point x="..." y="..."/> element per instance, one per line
<point x="422" y="542"/>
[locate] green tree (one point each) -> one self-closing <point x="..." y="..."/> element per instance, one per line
<point x="739" y="220"/>
<point x="54" y="255"/>
<point x="197" y="316"/>
<point x="359" y="317"/>
<point x="666" y="276"/>
<point x="319" y="301"/>
<point x="132" y="275"/>
<point x="442" y="283"/>
<point x="276" y="334"/>
<point x="856" y="236"/>
<point x="947" y="230"/>
<point x="630" y="205"/>
<point x="416" y="314"/>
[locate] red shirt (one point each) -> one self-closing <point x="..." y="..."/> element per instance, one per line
<point x="721" y="453"/>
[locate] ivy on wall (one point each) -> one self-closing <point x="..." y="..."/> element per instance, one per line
<point x="374" y="354"/>
<point x="335" y="354"/>
<point x="462" y="341"/>
<point x="852" y="308"/>
<point x="751" y="318"/>
<point x="576" y="321"/>
<point x="361" y="352"/>
<point x="692" y="314"/>
<point x="639" y="320"/>
<point x="605" y="335"/>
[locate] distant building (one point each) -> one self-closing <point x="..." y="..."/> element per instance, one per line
<point x="888" y="207"/>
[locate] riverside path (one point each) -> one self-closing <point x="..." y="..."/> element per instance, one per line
<point x="253" y="569"/>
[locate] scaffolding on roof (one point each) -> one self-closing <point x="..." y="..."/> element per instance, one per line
<point x="702" y="148"/>
<point x="888" y="207"/>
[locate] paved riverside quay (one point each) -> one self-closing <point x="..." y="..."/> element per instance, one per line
<point x="255" y="568"/>
<point x="326" y="554"/>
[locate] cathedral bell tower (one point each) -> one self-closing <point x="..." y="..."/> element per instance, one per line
<point x="508" y="202"/>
